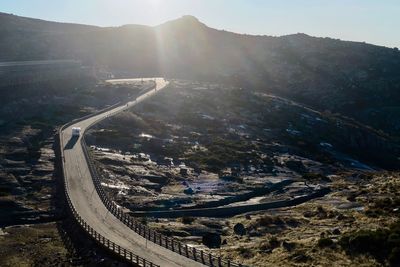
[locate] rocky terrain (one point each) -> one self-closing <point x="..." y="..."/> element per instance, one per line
<point x="269" y="119"/>
<point x="30" y="197"/>
<point x="202" y="145"/>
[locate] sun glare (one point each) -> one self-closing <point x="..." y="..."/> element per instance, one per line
<point x="154" y="3"/>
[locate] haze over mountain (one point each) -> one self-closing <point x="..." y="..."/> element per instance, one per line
<point x="242" y="124"/>
<point x="357" y="79"/>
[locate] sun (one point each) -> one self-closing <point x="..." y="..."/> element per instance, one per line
<point x="154" y="3"/>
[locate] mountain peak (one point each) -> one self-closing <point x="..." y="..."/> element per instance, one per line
<point x="189" y="18"/>
<point x="184" y="21"/>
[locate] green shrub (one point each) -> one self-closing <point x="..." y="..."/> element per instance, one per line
<point x="274" y="242"/>
<point x="382" y="244"/>
<point x="187" y="220"/>
<point x="325" y="242"/>
<point x="245" y="252"/>
<point x="269" y="220"/>
<point x="368" y="242"/>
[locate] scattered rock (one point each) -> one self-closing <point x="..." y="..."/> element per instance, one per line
<point x="300" y="257"/>
<point x="239" y="229"/>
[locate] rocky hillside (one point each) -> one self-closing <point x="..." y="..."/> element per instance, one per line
<point x="356" y="79"/>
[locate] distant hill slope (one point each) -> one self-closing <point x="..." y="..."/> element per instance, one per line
<point x="356" y="79"/>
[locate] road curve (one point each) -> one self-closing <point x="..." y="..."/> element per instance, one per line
<point x="88" y="204"/>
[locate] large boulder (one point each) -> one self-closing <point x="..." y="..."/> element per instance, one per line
<point x="239" y="229"/>
<point x="212" y="240"/>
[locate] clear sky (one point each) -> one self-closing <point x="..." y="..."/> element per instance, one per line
<point x="372" y="21"/>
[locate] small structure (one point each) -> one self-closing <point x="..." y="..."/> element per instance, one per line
<point x="76" y="131"/>
<point x="183" y="169"/>
<point x="168" y="161"/>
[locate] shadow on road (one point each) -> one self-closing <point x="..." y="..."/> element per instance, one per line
<point x="71" y="142"/>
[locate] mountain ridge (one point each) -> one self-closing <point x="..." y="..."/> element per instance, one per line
<point x="184" y="18"/>
<point x="353" y="78"/>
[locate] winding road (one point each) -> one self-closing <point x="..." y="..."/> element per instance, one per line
<point x="87" y="202"/>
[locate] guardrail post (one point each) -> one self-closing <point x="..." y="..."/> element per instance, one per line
<point x="229" y="263"/>
<point x="219" y="262"/>
<point x="202" y="256"/>
<point x="211" y="259"/>
<point x="187" y="250"/>
<point x="166" y="242"/>
<point x="194" y="254"/>
<point x="180" y="248"/>
<point x="172" y="245"/>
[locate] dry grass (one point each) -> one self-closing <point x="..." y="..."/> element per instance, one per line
<point x="36" y="245"/>
<point x="291" y="236"/>
<point x="299" y="242"/>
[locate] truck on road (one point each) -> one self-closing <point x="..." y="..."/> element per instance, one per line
<point x="76" y="131"/>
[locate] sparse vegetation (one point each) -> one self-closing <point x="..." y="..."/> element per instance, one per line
<point x="39" y="245"/>
<point x="245" y="252"/>
<point x="382" y="243"/>
<point x="234" y="147"/>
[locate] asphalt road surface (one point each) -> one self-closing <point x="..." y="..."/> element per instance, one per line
<point x="88" y="204"/>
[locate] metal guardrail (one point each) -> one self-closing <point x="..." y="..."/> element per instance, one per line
<point x="172" y="244"/>
<point x="122" y="252"/>
<point x="100" y="239"/>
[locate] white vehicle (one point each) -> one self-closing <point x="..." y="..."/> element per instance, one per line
<point x="76" y="131"/>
